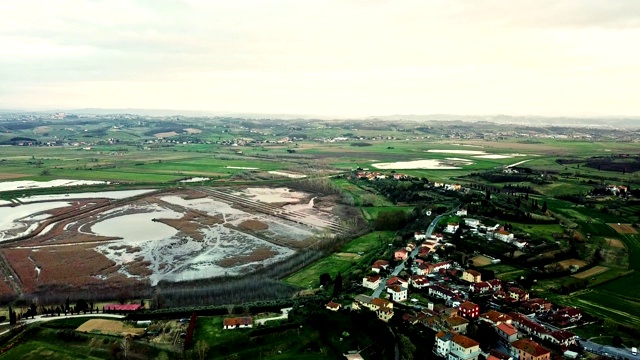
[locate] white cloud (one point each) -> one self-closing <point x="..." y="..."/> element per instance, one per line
<point x="323" y="57"/>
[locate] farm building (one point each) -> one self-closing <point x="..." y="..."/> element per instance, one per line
<point x="237" y="323"/>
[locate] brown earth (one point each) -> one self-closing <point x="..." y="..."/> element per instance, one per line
<point x="111" y="327"/>
<point x="615" y="243"/>
<point x="253" y="225"/>
<point x="570" y="262"/>
<point x="165" y="134"/>
<point x="4" y="176"/>
<point x="591" y="272"/>
<point x="258" y="254"/>
<point x="191" y="223"/>
<point x="623" y="228"/>
<point x="139" y="267"/>
<point x="481" y="260"/>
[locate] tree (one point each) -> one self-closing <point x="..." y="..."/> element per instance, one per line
<point x="325" y="279"/>
<point x="544" y="207"/>
<point x="201" y="349"/>
<point x="12" y="316"/>
<point x="337" y="285"/>
<point x="487" y="195"/>
<point x="81" y="305"/>
<point x="617" y="341"/>
<point x="126" y="346"/>
<point x="406" y="347"/>
<point x="162" y="356"/>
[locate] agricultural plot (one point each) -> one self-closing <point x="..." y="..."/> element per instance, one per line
<point x="480" y="261"/>
<point x="623" y="228"/>
<point x="368" y="242"/>
<point x="109" y="327"/>
<point x="591" y="272"/>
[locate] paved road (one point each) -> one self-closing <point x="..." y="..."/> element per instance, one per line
<point x="400" y="267"/>
<point x="613" y="352"/>
<point x="42" y="318"/>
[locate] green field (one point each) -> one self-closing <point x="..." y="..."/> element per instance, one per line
<point x="368" y="242"/>
<point x="309" y="277"/>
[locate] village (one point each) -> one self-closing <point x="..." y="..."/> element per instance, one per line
<point x="449" y="298"/>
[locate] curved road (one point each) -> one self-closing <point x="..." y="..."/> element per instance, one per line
<point x="400" y="267"/>
<point x="42" y="318"/>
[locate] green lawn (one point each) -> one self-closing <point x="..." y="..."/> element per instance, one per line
<point x="309" y="277"/>
<point x="368" y="242"/>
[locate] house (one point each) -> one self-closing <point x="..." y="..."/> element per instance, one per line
<point x="527" y="349"/>
<point x="441" y="265"/>
<point x="443" y="343"/>
<point x="461" y="212"/>
<point x="452" y="187"/>
<point x="471" y="276"/>
<point x="560" y="337"/>
<point x="469" y="310"/>
<point x="419" y="281"/>
<point x="496" y="284"/>
<point x="397" y="281"/>
<point x="507" y="333"/>
<point x="380" y="265"/>
<point x="453" y="346"/>
<point x="451" y="227"/>
<point x="454" y="302"/>
<point x="353" y="356"/>
<point x="398" y="293"/>
<point x="503" y="235"/>
<point x="566" y="316"/>
<point x="410" y="246"/>
<point x="438" y="237"/>
<point x="237" y="323"/>
<point x="495" y="318"/>
<point x="526" y="325"/>
<point x="520" y="243"/>
<point x="537" y="305"/>
<point x="371" y="282"/>
<point x="401" y="254"/>
<point x="441" y="292"/>
<point x="517" y="295"/>
<point x="472" y="222"/>
<point x="419" y="235"/>
<point x="333" y="306"/>
<point x="423" y="269"/>
<point x="383" y="308"/>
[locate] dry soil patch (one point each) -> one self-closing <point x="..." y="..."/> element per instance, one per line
<point x="623" y="228"/>
<point x="481" y="260"/>
<point x="591" y="272"/>
<point x="571" y="262"/>
<point x="615" y="243"/>
<point x="112" y="327"/>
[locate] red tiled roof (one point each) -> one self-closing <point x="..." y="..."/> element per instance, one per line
<point x="380" y="302"/>
<point x="472" y="272"/>
<point x="468" y="305"/>
<point x="237" y="321"/>
<point x="507" y="329"/>
<point x="121" y="307"/>
<point x="333" y="305"/>
<point x="495" y="316"/>
<point x="464" y="341"/>
<point x="530" y="347"/>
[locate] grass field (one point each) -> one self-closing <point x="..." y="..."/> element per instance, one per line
<point x="368" y="242"/>
<point x="309" y="277"/>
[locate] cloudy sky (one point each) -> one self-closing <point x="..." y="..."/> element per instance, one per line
<point x="324" y="57"/>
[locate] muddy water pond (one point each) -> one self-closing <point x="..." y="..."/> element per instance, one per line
<point x="138" y="227"/>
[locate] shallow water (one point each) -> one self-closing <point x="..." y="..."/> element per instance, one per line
<point x="137" y="227"/>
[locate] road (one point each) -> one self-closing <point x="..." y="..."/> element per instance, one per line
<point x="42" y="318"/>
<point x="400" y="267"/>
<point x="613" y="352"/>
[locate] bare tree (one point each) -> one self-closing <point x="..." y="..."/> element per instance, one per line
<point x="230" y="309"/>
<point x="201" y="348"/>
<point x="126" y="346"/>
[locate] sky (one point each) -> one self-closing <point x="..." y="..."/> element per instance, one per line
<point x="344" y="58"/>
